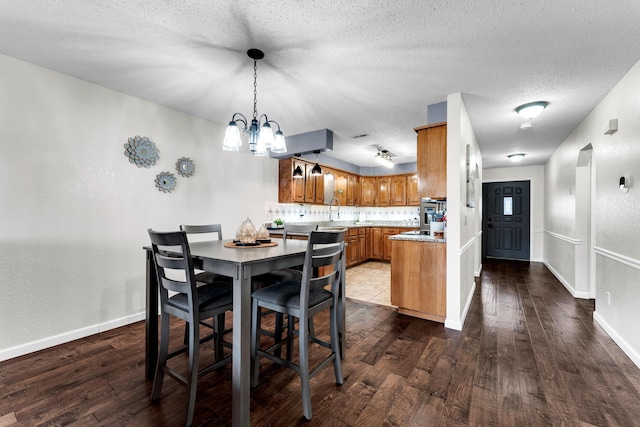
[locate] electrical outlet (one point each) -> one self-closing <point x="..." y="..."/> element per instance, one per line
<point x="608" y="298"/>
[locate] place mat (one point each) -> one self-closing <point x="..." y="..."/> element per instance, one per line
<point x="261" y="245"/>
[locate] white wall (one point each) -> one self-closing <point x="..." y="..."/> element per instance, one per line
<point x="534" y="174"/>
<point x="464" y="224"/>
<point x="615" y="214"/>
<point x="74" y="211"/>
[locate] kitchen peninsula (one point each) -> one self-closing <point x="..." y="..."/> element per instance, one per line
<point x="418" y="263"/>
<point x="418" y="275"/>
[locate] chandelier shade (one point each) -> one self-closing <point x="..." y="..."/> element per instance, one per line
<point x="261" y="136"/>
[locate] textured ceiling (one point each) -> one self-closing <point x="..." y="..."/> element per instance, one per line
<point x="356" y="67"/>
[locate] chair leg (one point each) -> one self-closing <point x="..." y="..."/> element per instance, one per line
<point x="162" y="357"/>
<point x="255" y="342"/>
<point x="218" y="330"/>
<point x="335" y="343"/>
<point x="277" y="331"/>
<point x="192" y="378"/>
<point x="185" y="341"/>
<point x="305" y="385"/>
<point x="290" y="327"/>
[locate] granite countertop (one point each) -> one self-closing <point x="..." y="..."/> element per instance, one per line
<point x="417" y="237"/>
<point x="350" y="224"/>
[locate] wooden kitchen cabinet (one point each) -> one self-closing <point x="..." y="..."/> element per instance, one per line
<point x="353" y="190"/>
<point x="314" y="187"/>
<point x="342" y="180"/>
<point x="398" y="190"/>
<point x="384" y="191"/>
<point x="413" y="198"/>
<point x="377" y="244"/>
<point x="419" y="279"/>
<point x="368" y="190"/>
<point x="290" y="189"/>
<point x="432" y="161"/>
<point x="362" y="245"/>
<point x="386" y="243"/>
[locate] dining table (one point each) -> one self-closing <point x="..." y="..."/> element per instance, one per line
<point x="241" y="264"/>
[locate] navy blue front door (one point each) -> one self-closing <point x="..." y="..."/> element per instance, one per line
<point x="505" y="220"/>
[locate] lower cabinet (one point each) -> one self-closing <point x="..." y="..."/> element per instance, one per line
<point x="419" y="279"/>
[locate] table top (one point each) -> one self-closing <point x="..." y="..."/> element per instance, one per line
<point x="216" y="250"/>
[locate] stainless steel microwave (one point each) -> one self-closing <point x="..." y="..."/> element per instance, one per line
<point x="428" y="209"/>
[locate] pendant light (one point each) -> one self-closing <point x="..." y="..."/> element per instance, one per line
<point x="317" y="170"/>
<point x="261" y="136"/>
<point x="297" y="172"/>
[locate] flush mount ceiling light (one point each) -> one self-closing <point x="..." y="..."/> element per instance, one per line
<point x="317" y="170"/>
<point x="516" y="157"/>
<point x="261" y="137"/>
<point x="531" y="110"/>
<point x="383" y="158"/>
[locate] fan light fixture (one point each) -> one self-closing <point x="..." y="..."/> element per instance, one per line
<point x="261" y="136"/>
<point x="383" y="158"/>
<point x="516" y="157"/>
<point x="531" y="110"/>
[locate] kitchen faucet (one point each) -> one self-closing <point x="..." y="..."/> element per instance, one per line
<point x="331" y="207"/>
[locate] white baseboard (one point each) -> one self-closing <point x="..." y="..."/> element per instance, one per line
<point x="478" y="272"/>
<point x="566" y="284"/>
<point x="457" y="324"/>
<point x="624" y="346"/>
<point x="41" y="344"/>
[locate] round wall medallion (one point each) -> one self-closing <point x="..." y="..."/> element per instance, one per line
<point x="141" y="151"/>
<point x="185" y="166"/>
<point x="166" y="182"/>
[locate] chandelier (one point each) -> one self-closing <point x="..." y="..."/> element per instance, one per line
<point x="383" y="158"/>
<point x="261" y="136"/>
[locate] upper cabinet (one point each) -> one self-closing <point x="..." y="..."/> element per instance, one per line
<point x="308" y="189"/>
<point x="432" y="161"/>
<point x="413" y="197"/>
<point x="384" y="191"/>
<point x="349" y="189"/>
<point x="342" y="188"/>
<point x="290" y="190"/>
<point x="368" y="190"/>
<point x="314" y="187"/>
<point x="353" y="190"/>
<point x="398" y="190"/>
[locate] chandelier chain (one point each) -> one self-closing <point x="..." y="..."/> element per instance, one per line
<point x="255" y="88"/>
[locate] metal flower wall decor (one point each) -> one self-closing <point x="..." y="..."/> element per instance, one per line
<point x="166" y="182"/>
<point x="185" y="166"/>
<point x="141" y="151"/>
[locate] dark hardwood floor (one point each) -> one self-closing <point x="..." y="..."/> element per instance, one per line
<point x="529" y="355"/>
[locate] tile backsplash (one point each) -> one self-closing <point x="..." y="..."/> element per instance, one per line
<point x="292" y="212"/>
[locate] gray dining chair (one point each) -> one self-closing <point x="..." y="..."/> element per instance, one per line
<point x="208" y="232"/>
<point x="189" y="302"/>
<point x="282" y="276"/>
<point x="302" y="300"/>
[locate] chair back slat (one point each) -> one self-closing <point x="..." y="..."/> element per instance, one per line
<point x="174" y="266"/>
<point x="324" y="248"/>
<point x="298" y="229"/>
<point x="204" y="229"/>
